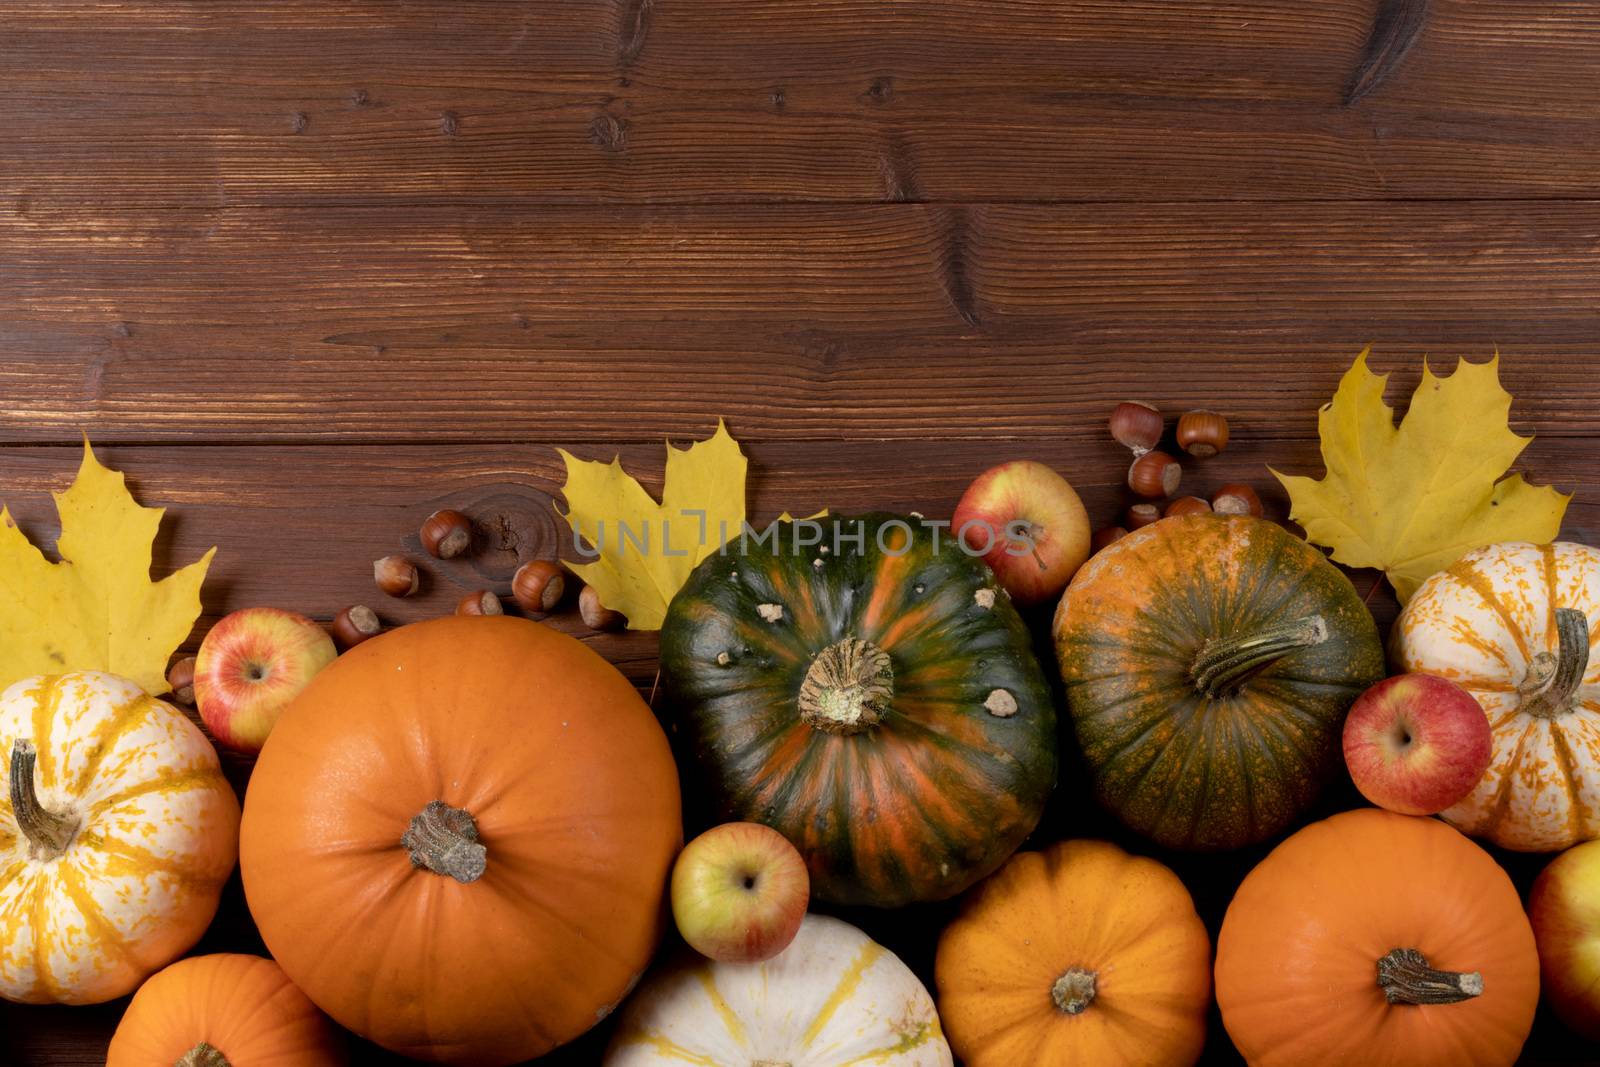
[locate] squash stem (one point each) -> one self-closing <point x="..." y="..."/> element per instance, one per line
<point x="1223" y="664"/>
<point x="49" y="833"/>
<point x="1556" y="684"/>
<point x="445" y="841"/>
<point x="203" y="1055"/>
<point x="1074" y="991"/>
<point x="848" y="687"/>
<point x="1406" y="978"/>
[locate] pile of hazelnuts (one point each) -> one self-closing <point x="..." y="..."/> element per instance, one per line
<point x="1155" y="475"/>
<point x="538" y="586"/>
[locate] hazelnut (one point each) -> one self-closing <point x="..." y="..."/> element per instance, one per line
<point x="1154" y="474"/>
<point x="596" y="615"/>
<point x="181" y="678"/>
<point x="1186" y="505"/>
<point x="1106" y="536"/>
<point x="354" y="625"/>
<point x="396" y="575"/>
<point x="1202" y="433"/>
<point x="1136" y="425"/>
<point x="539" y="585"/>
<point x="446" y="534"/>
<point x="1236" y="499"/>
<point x="483" y="602"/>
<point x="1141" y="515"/>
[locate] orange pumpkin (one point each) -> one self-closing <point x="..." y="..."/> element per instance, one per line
<point x="225" y="1010"/>
<point x="457" y="839"/>
<point x="1377" y="939"/>
<point x="1080" y="954"/>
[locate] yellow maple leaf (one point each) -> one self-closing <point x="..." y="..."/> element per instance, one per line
<point x="1412" y="500"/>
<point x="645" y="549"/>
<point x="97" y="609"/>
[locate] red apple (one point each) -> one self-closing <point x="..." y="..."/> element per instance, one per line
<point x="251" y="664"/>
<point x="739" y="892"/>
<point x="1028" y="524"/>
<point x="1416" y="743"/>
<point x="1564" y="908"/>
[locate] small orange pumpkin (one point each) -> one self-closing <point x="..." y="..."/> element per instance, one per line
<point x="226" y="1010"/>
<point x="457" y="839"/>
<point x="1377" y="939"/>
<point x="1080" y="954"/>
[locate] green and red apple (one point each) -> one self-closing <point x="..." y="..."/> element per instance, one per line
<point x="1416" y="743"/>
<point x="1028" y="524"/>
<point x="1564" y="908"/>
<point x="250" y="666"/>
<point x="739" y="892"/>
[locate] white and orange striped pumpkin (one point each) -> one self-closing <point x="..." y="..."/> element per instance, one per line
<point x="1515" y="624"/>
<point x="117" y="831"/>
<point x="834" y="996"/>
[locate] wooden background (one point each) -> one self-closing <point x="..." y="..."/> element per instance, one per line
<point x="309" y="271"/>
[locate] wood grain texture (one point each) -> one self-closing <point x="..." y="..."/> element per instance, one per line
<point x="554" y="323"/>
<point x="299" y="527"/>
<point x="229" y="103"/>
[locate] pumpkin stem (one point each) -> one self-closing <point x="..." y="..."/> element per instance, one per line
<point x="1406" y="978"/>
<point x="1074" y="991"/>
<point x="1553" y="679"/>
<point x="847" y="688"/>
<point x="48" y="832"/>
<point x="203" y="1055"/>
<point x="1223" y="664"/>
<point x="445" y="841"/>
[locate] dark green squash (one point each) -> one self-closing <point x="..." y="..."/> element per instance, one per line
<point x="1209" y="661"/>
<point x="876" y="701"/>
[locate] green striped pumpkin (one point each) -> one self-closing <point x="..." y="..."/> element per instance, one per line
<point x="879" y="705"/>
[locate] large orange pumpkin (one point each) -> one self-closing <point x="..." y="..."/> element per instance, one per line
<point x="457" y="839"/>
<point x="226" y="1010"/>
<point x="1377" y="939"/>
<point x="1080" y="954"/>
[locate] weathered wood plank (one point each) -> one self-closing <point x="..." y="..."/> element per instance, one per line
<point x="299" y="526"/>
<point x="564" y="323"/>
<point x="202" y="104"/>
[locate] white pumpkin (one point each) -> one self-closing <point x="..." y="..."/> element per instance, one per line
<point x="1515" y="624"/>
<point x="833" y="998"/>
<point x="117" y="832"/>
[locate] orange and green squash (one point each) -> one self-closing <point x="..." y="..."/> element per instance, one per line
<point x="117" y="831"/>
<point x="1080" y="954"/>
<point x="457" y="839"/>
<point x="874" y="698"/>
<point x="1209" y="661"/>
<point x="1377" y="939"/>
<point x="225" y="1010"/>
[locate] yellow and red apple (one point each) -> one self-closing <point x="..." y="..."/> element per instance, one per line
<point x="739" y="892"/>
<point x="1028" y="524"/>
<point x="250" y="666"/>
<point x="1416" y="743"/>
<point x="1564" y="908"/>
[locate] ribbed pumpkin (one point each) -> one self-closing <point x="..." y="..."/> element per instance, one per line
<point x="875" y="699"/>
<point x="225" y="1010"/>
<point x="1080" y="954"/>
<point x="457" y="839"/>
<point x="1209" y="661"/>
<point x="834" y="997"/>
<point x="1515" y="624"/>
<point x="1381" y="940"/>
<point x="116" y="834"/>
